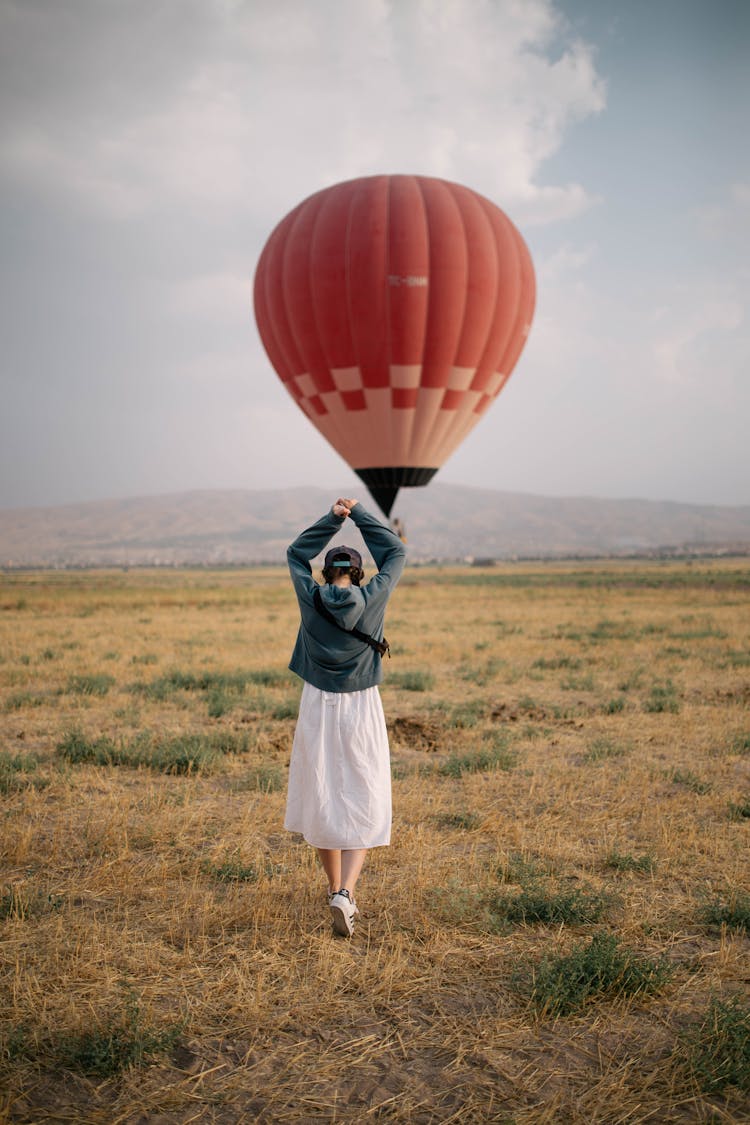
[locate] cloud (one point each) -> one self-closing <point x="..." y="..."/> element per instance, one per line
<point x="692" y="333"/>
<point x="253" y="105"/>
<point x="726" y="218"/>
<point x="217" y="297"/>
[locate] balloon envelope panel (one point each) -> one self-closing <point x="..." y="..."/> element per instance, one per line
<point x="394" y="308"/>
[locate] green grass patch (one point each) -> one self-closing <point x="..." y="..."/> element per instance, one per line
<point x="233" y="869"/>
<point x="265" y="778"/>
<point x="662" y="698"/>
<point x="554" y="663"/>
<point x="607" y="630"/>
<point x="184" y="754"/>
<point x="623" y="861"/>
<point x="467" y="714"/>
<point x="176" y="680"/>
<point x="574" y="906"/>
<point x="459" y="905"/>
<point x="21" y="901"/>
<point x="484" y="759"/>
<point x="631" y="682"/>
<point x="741" y="810"/>
<point x="15" y="771"/>
<point x="562" y="984"/>
<point x="603" y="749"/>
<point x="98" y="684"/>
<point x="717" y="1051"/>
<point x="462" y="821"/>
<point x="674" y="650"/>
<point x="698" y="633"/>
<point x="119" y="1043"/>
<point x="615" y="705"/>
<point x="740" y="744"/>
<point x="284" y="709"/>
<point x="411" y="680"/>
<point x="520" y="868"/>
<point x="481" y="674"/>
<point x="578" y="683"/>
<point x="690" y="781"/>
<point x="220" y="703"/>
<point x="506" y="628"/>
<point x="733" y="912"/>
<point x="20" y="700"/>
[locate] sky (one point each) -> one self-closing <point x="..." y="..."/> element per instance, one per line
<point x="149" y="147"/>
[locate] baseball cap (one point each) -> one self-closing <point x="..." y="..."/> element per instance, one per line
<point x="343" y="556"/>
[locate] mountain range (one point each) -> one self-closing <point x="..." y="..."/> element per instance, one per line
<point x="442" y="522"/>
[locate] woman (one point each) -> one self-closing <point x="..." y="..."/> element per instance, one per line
<point x="339" y="775"/>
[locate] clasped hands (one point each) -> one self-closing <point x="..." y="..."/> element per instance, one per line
<point x="343" y="506"/>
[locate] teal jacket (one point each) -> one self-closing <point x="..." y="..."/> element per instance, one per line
<point x="323" y="655"/>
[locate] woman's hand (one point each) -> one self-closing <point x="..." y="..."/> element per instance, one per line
<point x="343" y="506"/>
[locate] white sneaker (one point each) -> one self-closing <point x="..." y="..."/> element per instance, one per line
<point x="343" y="911"/>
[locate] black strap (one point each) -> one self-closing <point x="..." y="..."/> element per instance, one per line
<point x="380" y="646"/>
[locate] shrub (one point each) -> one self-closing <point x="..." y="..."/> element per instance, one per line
<point x="75" y="747"/>
<point x="733" y="913"/>
<point x="120" y="1043"/>
<point x="518" y="868"/>
<point x="718" y="1050"/>
<point x="564" y="984"/>
<point x="575" y="906"/>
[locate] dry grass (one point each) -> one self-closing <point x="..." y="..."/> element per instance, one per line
<point x="561" y="735"/>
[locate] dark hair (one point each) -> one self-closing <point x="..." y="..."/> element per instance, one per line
<point x="354" y="572"/>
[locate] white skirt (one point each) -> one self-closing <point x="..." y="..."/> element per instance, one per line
<point x="340" y="771"/>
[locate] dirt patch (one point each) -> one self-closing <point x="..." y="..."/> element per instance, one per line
<point x="414" y="734"/>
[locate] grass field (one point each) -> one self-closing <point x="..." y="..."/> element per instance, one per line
<point x="558" y="933"/>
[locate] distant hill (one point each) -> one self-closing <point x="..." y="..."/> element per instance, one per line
<point x="443" y="521"/>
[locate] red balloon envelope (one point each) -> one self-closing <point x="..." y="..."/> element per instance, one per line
<point x="394" y="309"/>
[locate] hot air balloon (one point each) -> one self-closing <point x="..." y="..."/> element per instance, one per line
<point x="394" y="308"/>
